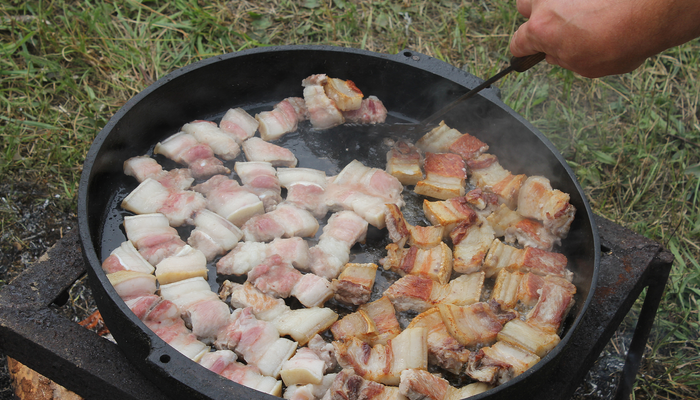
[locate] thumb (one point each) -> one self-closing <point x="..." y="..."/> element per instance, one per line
<point x="521" y="43"/>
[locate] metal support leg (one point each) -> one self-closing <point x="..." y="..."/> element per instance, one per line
<point x="645" y="321"/>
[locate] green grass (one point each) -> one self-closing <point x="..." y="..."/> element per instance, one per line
<point x="633" y="140"/>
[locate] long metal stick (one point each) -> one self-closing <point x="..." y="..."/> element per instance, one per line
<point x="518" y="64"/>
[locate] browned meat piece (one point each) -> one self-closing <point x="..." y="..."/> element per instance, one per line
<point x="404" y="161"/>
<point x="445" y="174"/>
<point x="434" y="263"/>
<point x="354" y="285"/>
<point x="499" y="363"/>
<point x="476" y="324"/>
<point x="443" y="350"/>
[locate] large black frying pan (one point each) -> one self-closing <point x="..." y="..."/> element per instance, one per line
<point x="411" y="85"/>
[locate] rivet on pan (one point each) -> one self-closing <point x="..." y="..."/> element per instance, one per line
<point x="415" y="58"/>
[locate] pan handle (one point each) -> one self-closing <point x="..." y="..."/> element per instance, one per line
<point x="522" y="64"/>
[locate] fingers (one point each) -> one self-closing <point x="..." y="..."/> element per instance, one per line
<point x="524" y="7"/>
<point x="521" y="44"/>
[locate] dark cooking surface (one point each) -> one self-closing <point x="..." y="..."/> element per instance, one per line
<point x="408" y="84"/>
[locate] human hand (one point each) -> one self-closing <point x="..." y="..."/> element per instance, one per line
<point x="603" y="37"/>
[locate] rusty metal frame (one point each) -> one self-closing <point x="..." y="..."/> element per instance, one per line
<point x="80" y="360"/>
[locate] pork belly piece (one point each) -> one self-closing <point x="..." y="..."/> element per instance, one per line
<point x="164" y="321"/>
<point x="529" y="289"/>
<point x="263" y="306"/>
<point x="513" y="287"/>
<point x="371" y="111"/>
<point x="448" y="213"/>
<point x="344" y="93"/>
<point x="256" y="149"/>
<point x="208" y="132"/>
<point x="144" y="167"/>
<point x="443" y="139"/>
<point x="556" y="299"/>
<point x="401" y="232"/>
<point x="216" y="361"/>
<point x="153" y="236"/>
<point x="373" y="323"/>
<point x="308" y="196"/>
<point x="348" y="385"/>
<point x="481" y="200"/>
<point x="303" y="368"/>
<point x="132" y="284"/>
<point x="528" y="232"/>
<point x="537" y="200"/>
<point x="434" y="263"/>
<point x="163" y="318"/>
<point x="309" y="391"/>
<point x="332" y="252"/>
<point x="323" y="112"/>
<point x="150" y="196"/>
<point x="187" y="263"/>
<point x="324" y="351"/>
<point x="213" y="234"/>
<point x="384" y="363"/>
<point x="301" y="324"/>
<point x="357" y="324"/>
<point x="199" y="157"/>
<point x="304" y="323"/>
<point x="468" y="147"/>
<point x="488" y="174"/>
<point x="476" y="324"/>
<point x="499" y="363"/>
<point x="445" y="174"/>
<point x="312" y="290"/>
<point x="247" y="255"/>
<point x="422" y="385"/>
<point x="238" y="124"/>
<point x="202" y="310"/>
<point x="529" y="259"/>
<point x="396" y="225"/>
<point x="284" y="221"/>
<point x="443" y="350"/>
<point x="250" y="376"/>
<point x="258" y="342"/>
<point x="261" y="179"/>
<point x="283" y="119"/>
<point x="403" y="161"/>
<point x="290" y="176"/>
<point x="354" y="285"/>
<point x="230" y="200"/>
<point x="505" y="290"/>
<point x="439" y="139"/>
<point x="274" y="277"/>
<point x="305" y="189"/>
<point x="501" y="256"/>
<point x="370" y="208"/>
<point x="418" y="294"/>
<point x="126" y="258"/>
<point x="426" y="237"/>
<point x="383" y="315"/>
<point x="471" y="242"/>
<point x="526" y="336"/>
<point x="544" y="262"/>
<point x="277" y="278"/>
<point x="364" y="190"/>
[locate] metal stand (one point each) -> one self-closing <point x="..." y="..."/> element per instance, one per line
<point x="93" y="367"/>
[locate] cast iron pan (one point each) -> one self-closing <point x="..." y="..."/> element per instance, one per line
<point x="411" y="85"/>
